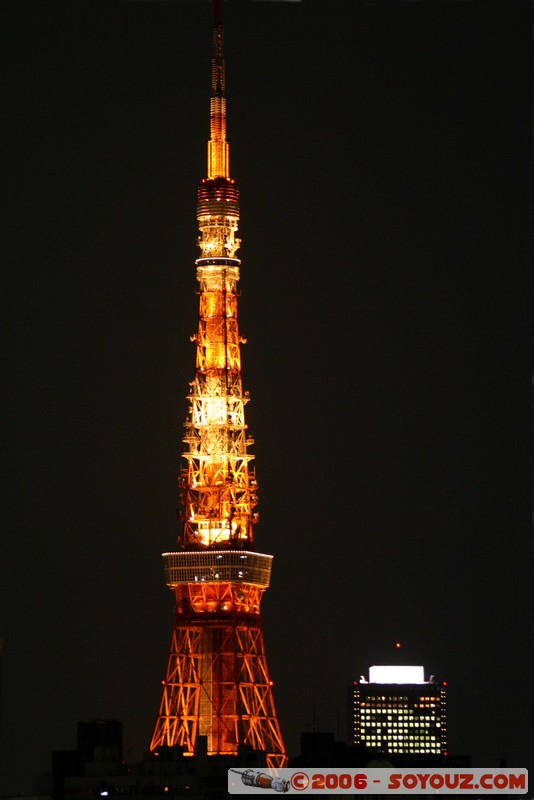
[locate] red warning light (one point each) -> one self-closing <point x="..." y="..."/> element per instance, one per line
<point x="398" y="645"/>
<point x="444" y="683"/>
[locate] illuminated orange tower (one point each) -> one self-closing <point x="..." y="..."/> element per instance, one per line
<point x="217" y="683"/>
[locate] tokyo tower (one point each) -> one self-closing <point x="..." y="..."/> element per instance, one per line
<point x="217" y="683"/>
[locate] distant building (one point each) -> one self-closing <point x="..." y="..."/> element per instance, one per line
<point x="96" y="771"/>
<point x="397" y="712"/>
<point x="100" y="740"/>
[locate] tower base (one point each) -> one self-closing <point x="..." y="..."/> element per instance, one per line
<point x="217" y="684"/>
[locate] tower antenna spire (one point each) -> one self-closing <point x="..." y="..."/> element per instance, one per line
<point x="217" y="12"/>
<point x="218" y="150"/>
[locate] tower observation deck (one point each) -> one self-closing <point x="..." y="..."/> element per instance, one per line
<point x="217" y="683"/>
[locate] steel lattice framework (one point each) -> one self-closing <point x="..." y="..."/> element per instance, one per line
<point x="217" y="683"/>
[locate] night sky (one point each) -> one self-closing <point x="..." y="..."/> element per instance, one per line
<point x="382" y="153"/>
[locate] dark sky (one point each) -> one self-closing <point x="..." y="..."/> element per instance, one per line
<point x="382" y="154"/>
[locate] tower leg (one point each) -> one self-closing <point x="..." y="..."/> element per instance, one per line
<point x="217" y="686"/>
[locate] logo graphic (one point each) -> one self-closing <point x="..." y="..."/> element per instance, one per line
<point x="262" y="780"/>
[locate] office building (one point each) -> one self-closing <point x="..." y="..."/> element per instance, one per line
<point x="397" y="711"/>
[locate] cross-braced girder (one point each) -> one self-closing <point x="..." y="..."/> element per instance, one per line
<point x="217" y="683"/>
<point x="218" y="485"/>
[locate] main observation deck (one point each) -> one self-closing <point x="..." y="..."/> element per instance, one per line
<point x="217" y="566"/>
